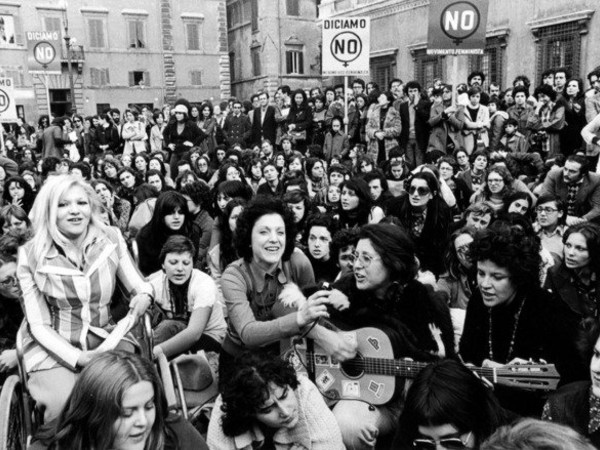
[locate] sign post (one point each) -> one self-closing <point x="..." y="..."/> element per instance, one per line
<point x="346" y="45"/>
<point x="43" y="49"/>
<point x="457" y="27"/>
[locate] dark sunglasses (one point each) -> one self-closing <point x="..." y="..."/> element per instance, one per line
<point x="421" y="190"/>
<point x="454" y="443"/>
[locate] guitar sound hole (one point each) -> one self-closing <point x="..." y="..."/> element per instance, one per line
<point x="353" y="368"/>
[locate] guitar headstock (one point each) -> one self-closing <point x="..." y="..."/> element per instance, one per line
<point x="537" y="377"/>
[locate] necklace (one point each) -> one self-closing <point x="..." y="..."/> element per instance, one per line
<point x="512" y="339"/>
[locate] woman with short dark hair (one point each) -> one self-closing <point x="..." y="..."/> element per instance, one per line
<point x="383" y="293"/>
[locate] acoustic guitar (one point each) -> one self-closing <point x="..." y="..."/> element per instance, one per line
<point x="371" y="375"/>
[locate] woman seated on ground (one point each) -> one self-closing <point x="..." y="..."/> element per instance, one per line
<point x="11" y="313"/>
<point x="188" y="300"/>
<point x="18" y="192"/>
<point x="118" y="403"/>
<point x="460" y="279"/>
<point x="450" y="407"/>
<point x="320" y="229"/>
<point x="267" y="405"/>
<point x="576" y="404"/>
<point x="68" y="273"/>
<point x="118" y="208"/>
<point x="510" y="318"/>
<point x="383" y="293"/>
<point x="14" y="219"/>
<point x="357" y="206"/>
<point x="225" y="252"/>
<point x="427" y="218"/>
<point x="171" y="216"/>
<point x="255" y="286"/>
<point x="496" y="189"/>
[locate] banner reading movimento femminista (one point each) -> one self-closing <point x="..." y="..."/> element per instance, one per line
<point x="457" y="27"/>
<point x="346" y="46"/>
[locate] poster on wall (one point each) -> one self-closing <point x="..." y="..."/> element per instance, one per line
<point x="7" y="30"/>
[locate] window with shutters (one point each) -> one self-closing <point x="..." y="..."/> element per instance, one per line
<point x="16" y="73"/>
<point x="234" y="14"/>
<point x="99" y="77"/>
<point x="232" y="71"/>
<point x="53" y="23"/>
<point x="383" y="70"/>
<point x="101" y="108"/>
<point x="255" y="54"/>
<point x="558" y="46"/>
<point x="427" y="67"/>
<point x="136" y="33"/>
<point x="9" y="34"/>
<point x="292" y="7"/>
<point x="193" y="33"/>
<point x="196" y="78"/>
<point x="139" y="78"/>
<point x="490" y="63"/>
<point x="254" y="13"/>
<point x="96" y="34"/>
<point x="294" y="62"/>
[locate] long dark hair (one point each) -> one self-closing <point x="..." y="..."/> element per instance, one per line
<point x="166" y="204"/>
<point x="446" y="392"/>
<point x="451" y="262"/>
<point x="28" y="197"/>
<point x="359" y="216"/>
<point x="227" y="246"/>
<point x="591" y="232"/>
<point x="434" y="206"/>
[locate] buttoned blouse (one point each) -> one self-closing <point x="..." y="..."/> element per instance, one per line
<point x="63" y="303"/>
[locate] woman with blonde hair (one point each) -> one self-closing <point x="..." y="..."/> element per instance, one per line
<point x="68" y="273"/>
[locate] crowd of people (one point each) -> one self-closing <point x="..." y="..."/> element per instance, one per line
<point x="461" y="222"/>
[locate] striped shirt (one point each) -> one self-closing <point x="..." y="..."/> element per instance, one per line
<point x="64" y="303"/>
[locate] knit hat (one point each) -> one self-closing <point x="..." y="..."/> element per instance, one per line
<point x="180" y="109"/>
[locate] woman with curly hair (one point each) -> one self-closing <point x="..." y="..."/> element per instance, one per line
<point x="510" y="318"/>
<point x="255" y="285"/>
<point x="266" y="405"/>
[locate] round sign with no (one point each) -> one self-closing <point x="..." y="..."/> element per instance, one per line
<point x="346" y="47"/>
<point x="460" y="20"/>
<point x="4" y="101"/>
<point x="44" y="53"/>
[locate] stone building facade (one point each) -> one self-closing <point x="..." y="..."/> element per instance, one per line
<point x="522" y="37"/>
<point x="137" y="52"/>
<point x="272" y="43"/>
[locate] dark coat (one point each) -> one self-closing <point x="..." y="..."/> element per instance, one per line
<point x="431" y="244"/>
<point x="421" y="124"/>
<point x="408" y="310"/>
<point x="571" y="310"/>
<point x="237" y="129"/>
<point x="265" y="130"/>
<point x="570" y="406"/>
<point x="190" y="133"/>
<point x="587" y="201"/>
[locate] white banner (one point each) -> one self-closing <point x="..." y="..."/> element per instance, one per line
<point x="8" y="108"/>
<point x="346" y="46"/>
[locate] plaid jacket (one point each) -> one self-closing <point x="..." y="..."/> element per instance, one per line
<point x="63" y="303"/>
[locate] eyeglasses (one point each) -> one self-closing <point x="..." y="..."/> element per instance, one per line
<point x="364" y="259"/>
<point x="10" y="281"/>
<point x="545" y="209"/>
<point x="421" y="190"/>
<point x="449" y="443"/>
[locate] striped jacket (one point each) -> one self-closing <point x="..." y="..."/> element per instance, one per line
<point x="64" y="303"/>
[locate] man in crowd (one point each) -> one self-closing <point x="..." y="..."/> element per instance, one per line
<point x="414" y="114"/>
<point x="264" y="125"/>
<point x="592" y="100"/>
<point x="237" y="127"/>
<point x="577" y="188"/>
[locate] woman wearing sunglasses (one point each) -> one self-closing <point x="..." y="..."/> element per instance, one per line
<point x="427" y="217"/>
<point x="447" y="406"/>
<point x="383" y="293"/>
